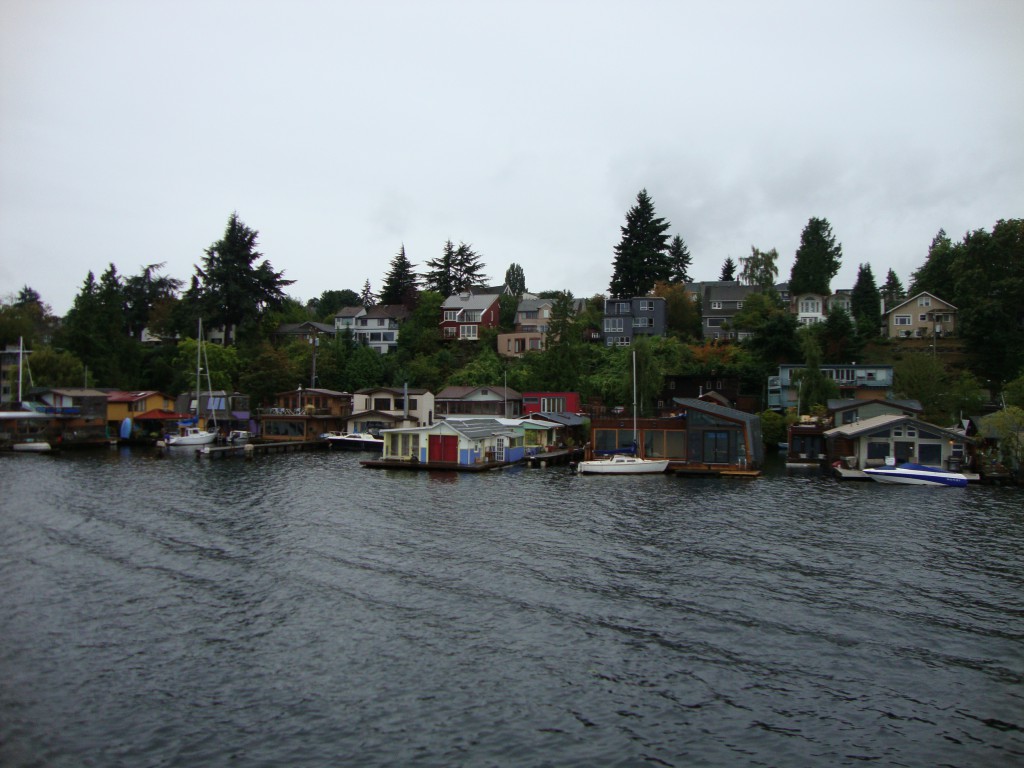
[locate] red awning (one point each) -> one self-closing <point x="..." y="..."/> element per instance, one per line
<point x="161" y="415"/>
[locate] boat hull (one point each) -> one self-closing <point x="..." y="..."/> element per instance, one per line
<point x="192" y="439"/>
<point x="356" y="443"/>
<point x="622" y="465"/>
<point x="917" y="474"/>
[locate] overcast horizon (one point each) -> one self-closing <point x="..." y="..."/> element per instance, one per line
<point x="129" y="133"/>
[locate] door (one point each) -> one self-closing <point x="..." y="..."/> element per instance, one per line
<point x="716" y="447"/>
<point x="443" y="448"/>
<point x="499" y="449"/>
<point x="903" y="451"/>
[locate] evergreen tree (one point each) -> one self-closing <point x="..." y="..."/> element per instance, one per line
<point x="989" y="270"/>
<point x="937" y="275"/>
<point x="367" y="298"/>
<point x="641" y="257"/>
<point x="815" y="388"/>
<point x="143" y="293"/>
<point x="760" y="268"/>
<point x="892" y="292"/>
<point x="866" y="304"/>
<point x="232" y="288"/>
<point x="817" y="259"/>
<point x="838" y="336"/>
<point x="728" y="269"/>
<point x="679" y="261"/>
<point x="515" y="280"/>
<point x="327" y="304"/>
<point x="458" y="269"/>
<point x="401" y="283"/>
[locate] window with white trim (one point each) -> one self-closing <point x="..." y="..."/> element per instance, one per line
<point x="468" y="331"/>
<point x="901" y="320"/>
<point x="613" y="325"/>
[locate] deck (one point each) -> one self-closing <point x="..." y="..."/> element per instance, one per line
<point x="434" y="466"/>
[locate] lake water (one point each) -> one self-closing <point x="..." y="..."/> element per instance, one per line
<point x="300" y="610"/>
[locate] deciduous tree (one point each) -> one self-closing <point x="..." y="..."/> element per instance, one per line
<point x="760" y="268"/>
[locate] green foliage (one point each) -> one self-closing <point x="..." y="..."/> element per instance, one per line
<point x="269" y="372"/>
<point x="682" y="311"/>
<point x="922" y="377"/>
<point x="51" y="367"/>
<point x="760" y="268"/>
<point x="329" y="303"/>
<point x="144" y="292"/>
<point x="989" y="271"/>
<point x="773" y="428"/>
<point x="838" y="337"/>
<point x="679" y="261"/>
<point x="232" y="289"/>
<point x="1008" y="424"/>
<point x="818" y="259"/>
<point x="223" y="362"/>
<point x="866" y="304"/>
<point x="773" y="329"/>
<point x="515" y="280"/>
<point x="507" y="306"/>
<point x="892" y="292"/>
<point x="937" y="275"/>
<point x="641" y="257"/>
<point x="401" y="283"/>
<point x="728" y="269"/>
<point x="815" y="388"/>
<point x="1013" y="392"/>
<point x="457" y="270"/>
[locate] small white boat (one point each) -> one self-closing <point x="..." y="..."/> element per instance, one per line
<point x="354" y="441"/>
<point x="239" y="437"/>
<point x="916" y="474"/>
<point x="31" y="446"/>
<point x="621" y="464"/>
<point x="189" y="436"/>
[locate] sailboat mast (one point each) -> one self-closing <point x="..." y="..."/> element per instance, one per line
<point x="21" y="357"/>
<point x="636" y="437"/>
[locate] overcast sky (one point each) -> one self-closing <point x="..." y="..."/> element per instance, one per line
<point x="130" y="131"/>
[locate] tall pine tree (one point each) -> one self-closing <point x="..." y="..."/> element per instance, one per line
<point x="679" y="261"/>
<point x="892" y="291"/>
<point x="641" y="257"/>
<point x="728" y="269"/>
<point x="401" y="283"/>
<point x="457" y="269"/>
<point x="817" y="259"/>
<point x="866" y="304"/>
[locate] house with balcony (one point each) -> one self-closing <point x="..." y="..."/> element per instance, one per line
<point x="465" y="402"/>
<point x="379" y="408"/>
<point x="627" y="318"/>
<point x="922" y="316"/>
<point x="304" y="414"/>
<point x="378" y="326"/>
<point x="856" y="382"/>
<point x="464" y="314"/>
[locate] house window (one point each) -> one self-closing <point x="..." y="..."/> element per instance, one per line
<point x="622" y="308"/>
<point x="471" y="316"/>
<point x="646" y="305"/>
<point x="924" y="301"/>
<point x="714" y="322"/>
<point x="739" y="305"/>
<point x="552" y="404"/>
<point x="449" y="332"/>
<point x="468" y="331"/>
<point x="902" y="320"/>
<point x="923" y="318"/>
<point x="643" y="322"/>
<point x="716" y="305"/>
<point x="613" y="325"/>
<point x="451" y="314"/>
<point x="810" y="307"/>
<point x="535" y="344"/>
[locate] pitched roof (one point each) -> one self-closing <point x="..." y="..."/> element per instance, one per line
<point x="470" y="300"/>
<point x="132" y="397"/>
<point x="717" y="410"/>
<point x="842" y="404"/>
<point x="876" y="423"/>
<point x="350" y="312"/>
<point x="461" y="393"/>
<point x="916" y="296"/>
<point x="395" y="311"/>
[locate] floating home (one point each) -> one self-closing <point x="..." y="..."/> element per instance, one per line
<point x="466" y="444"/>
<point x="699" y="438"/>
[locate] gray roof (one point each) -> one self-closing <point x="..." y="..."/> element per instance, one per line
<point x="717" y="410"/>
<point x="469" y="300"/>
<point x="477" y="429"/>
<point x="564" y="419"/>
<point x="885" y="421"/>
<point x="842" y="404"/>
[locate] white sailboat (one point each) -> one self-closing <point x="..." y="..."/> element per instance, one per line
<point x="622" y="463"/>
<point x="189" y="432"/>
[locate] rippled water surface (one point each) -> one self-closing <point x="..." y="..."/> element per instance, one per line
<point x="301" y="610"/>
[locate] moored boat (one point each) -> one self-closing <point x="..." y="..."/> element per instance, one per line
<point x="354" y="441"/>
<point x="916" y="474"/>
<point x="622" y="464"/>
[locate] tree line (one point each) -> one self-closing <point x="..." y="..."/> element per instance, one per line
<point x="100" y="340"/>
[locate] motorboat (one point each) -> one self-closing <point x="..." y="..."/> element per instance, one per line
<point x="916" y="474"/>
<point x="622" y="464"/>
<point x="239" y="437"/>
<point x="354" y="441"/>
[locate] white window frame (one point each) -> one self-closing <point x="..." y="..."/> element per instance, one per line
<point x="451" y="314"/>
<point x="901" y="320"/>
<point x="469" y="332"/>
<point x="613" y="325"/>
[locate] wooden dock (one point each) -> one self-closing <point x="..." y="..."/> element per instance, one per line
<point x="684" y="470"/>
<point x="550" y="458"/>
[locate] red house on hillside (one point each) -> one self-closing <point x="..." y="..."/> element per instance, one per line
<point x="551" y="402"/>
